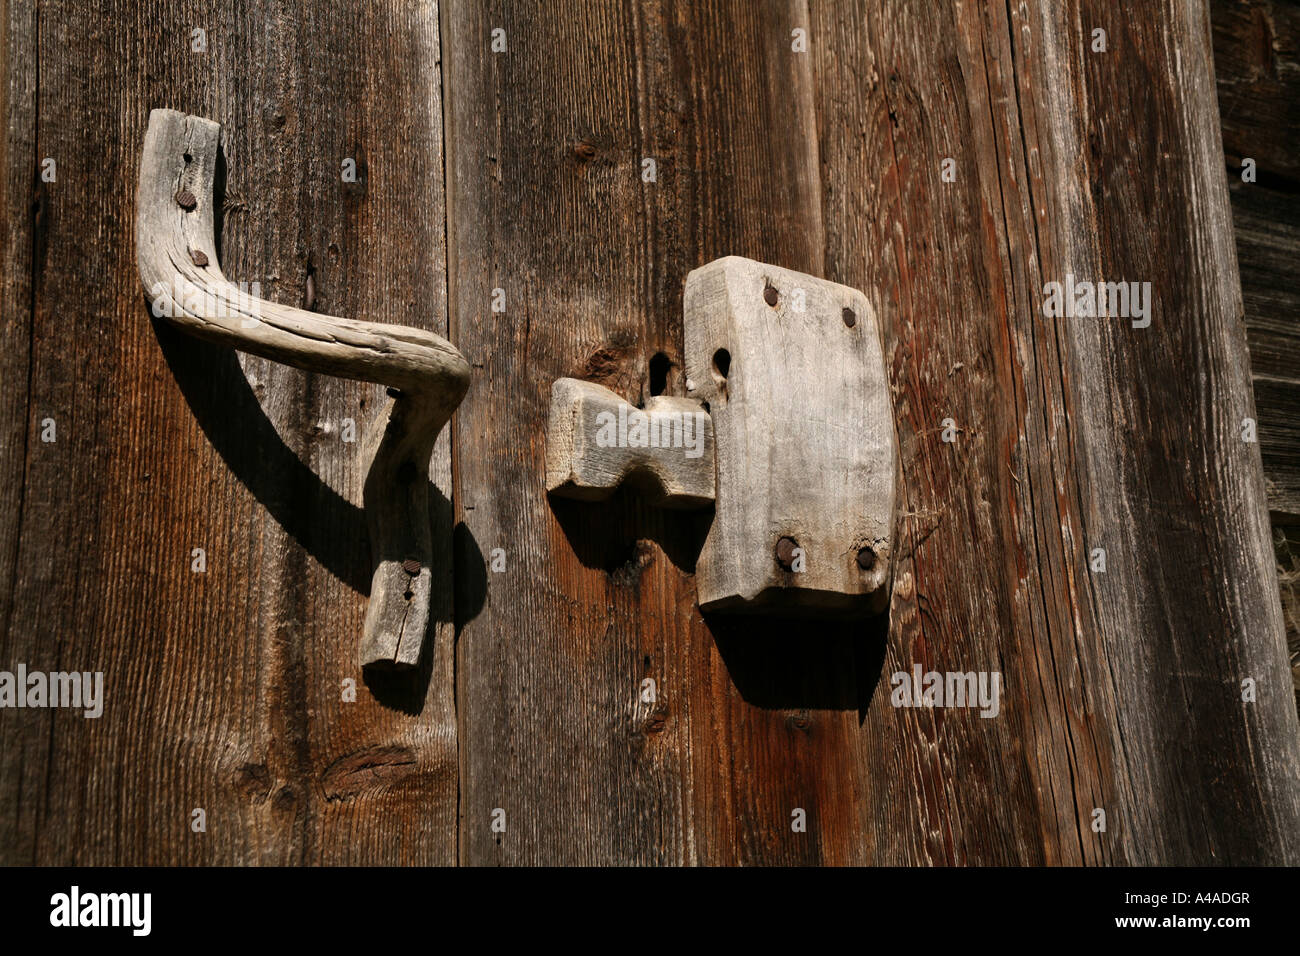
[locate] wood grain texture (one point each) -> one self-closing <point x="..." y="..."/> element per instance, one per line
<point x="790" y="367"/>
<point x="180" y="270"/>
<point x="548" y="204"/>
<point x="22" y="221"/>
<point x="1122" y="688"/>
<point x="1267" y="229"/>
<point x="596" y="441"/>
<point x="1257" y="70"/>
<point x="223" y="688"/>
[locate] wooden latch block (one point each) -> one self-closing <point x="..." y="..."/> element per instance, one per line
<point x="596" y="441"/>
<point x="789" y="372"/>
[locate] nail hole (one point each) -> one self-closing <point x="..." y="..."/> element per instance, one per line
<point x="659" y="366"/>
<point x="722" y="363"/>
<point x="189" y="158"/>
<point x="770" y="295"/>
<point x="849" y="318"/>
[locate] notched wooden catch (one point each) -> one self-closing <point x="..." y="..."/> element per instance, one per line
<point x="181" y="273"/>
<point x="791" y="371"/>
<point x="596" y="441"/>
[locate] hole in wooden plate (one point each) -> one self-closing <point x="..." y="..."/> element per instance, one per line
<point x="659" y="366"/>
<point x="721" y="369"/>
<point x="722" y="364"/>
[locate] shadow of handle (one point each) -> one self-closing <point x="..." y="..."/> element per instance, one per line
<point x="177" y="256"/>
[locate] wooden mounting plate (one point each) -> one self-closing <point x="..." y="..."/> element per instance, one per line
<point x="803" y="425"/>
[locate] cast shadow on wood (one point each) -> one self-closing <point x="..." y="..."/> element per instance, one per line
<point x="326" y="525"/>
<point x="800" y="663"/>
<point x="608" y="535"/>
<point x="773" y="663"/>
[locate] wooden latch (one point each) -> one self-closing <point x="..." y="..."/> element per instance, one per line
<point x="789" y="433"/>
<point x="427" y="377"/>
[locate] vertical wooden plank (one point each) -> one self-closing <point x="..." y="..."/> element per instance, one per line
<point x="1123" y="689"/>
<point x="1257" y="73"/>
<point x="223" y="688"/>
<point x="1196" y="611"/>
<point x="543" y="169"/>
<point x="752" y="719"/>
<point x="22" y="218"/>
<point x="900" y="91"/>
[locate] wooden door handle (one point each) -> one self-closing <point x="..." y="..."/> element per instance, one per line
<point x="788" y="432"/>
<point x="426" y="375"/>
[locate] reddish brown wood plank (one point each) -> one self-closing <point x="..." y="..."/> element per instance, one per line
<point x="22" y="196"/>
<point x="548" y="204"/>
<point x="223" y="689"/>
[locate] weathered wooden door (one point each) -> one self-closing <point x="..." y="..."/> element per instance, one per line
<point x="186" y="520"/>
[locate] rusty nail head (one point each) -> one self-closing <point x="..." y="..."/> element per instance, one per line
<point x="785" y="552"/>
<point x="866" y="558"/>
<point x="411" y="566"/>
<point x="199" y="256"/>
<point x="585" y="150"/>
<point x="185" y="199"/>
<point x="770" y="295"/>
<point x="849" y="318"/>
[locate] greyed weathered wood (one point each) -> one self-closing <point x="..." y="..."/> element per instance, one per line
<point x="1257" y="68"/>
<point x="1257" y="71"/>
<point x="223" y="688"/>
<point x="1267" y="230"/>
<point x="427" y="377"/>
<point x="1124" y="688"/>
<point x="791" y="370"/>
<point x="589" y="453"/>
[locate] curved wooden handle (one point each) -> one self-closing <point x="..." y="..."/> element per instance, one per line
<point x="179" y="268"/>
